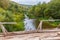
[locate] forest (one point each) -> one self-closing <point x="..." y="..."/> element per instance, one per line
<point x="13" y="12"/>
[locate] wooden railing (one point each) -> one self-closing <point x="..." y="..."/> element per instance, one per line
<point x="41" y="22"/>
<point x="38" y="30"/>
<point x="5" y="32"/>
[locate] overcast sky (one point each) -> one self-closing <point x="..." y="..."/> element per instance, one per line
<point x="30" y="2"/>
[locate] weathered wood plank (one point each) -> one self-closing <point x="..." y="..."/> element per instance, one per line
<point x="8" y="23"/>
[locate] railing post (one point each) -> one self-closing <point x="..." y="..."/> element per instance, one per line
<point x="40" y="25"/>
<point x="41" y="22"/>
<point x="5" y="32"/>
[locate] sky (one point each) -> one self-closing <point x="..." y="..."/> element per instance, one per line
<point x="30" y="2"/>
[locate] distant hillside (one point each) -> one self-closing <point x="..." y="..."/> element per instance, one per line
<point x="14" y="12"/>
<point x="26" y="5"/>
<point x="23" y="5"/>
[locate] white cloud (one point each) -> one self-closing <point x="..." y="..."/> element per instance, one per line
<point x="30" y="2"/>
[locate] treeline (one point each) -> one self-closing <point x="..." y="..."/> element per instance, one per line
<point x="46" y="10"/>
<point x="12" y="12"/>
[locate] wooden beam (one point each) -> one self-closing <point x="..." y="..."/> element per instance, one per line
<point x="50" y="20"/>
<point x="40" y="25"/>
<point x="41" y="21"/>
<point x="8" y="23"/>
<point x="5" y="32"/>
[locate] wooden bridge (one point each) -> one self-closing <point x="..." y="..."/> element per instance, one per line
<point x="38" y="34"/>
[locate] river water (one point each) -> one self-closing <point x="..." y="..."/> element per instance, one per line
<point x="29" y="24"/>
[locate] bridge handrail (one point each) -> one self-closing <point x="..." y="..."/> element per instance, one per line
<point x="8" y="23"/>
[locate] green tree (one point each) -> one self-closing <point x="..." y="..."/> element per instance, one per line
<point x="53" y="9"/>
<point x="4" y="3"/>
<point x="38" y="10"/>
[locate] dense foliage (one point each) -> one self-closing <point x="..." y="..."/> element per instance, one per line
<point x="14" y="12"/>
<point x="46" y="10"/>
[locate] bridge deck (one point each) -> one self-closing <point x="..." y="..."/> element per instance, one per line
<point x="32" y="35"/>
